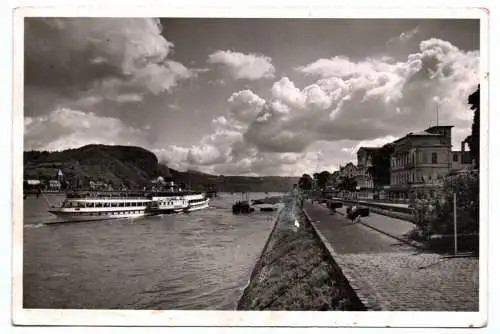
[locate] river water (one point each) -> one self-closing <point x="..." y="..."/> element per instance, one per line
<point x="200" y="260"/>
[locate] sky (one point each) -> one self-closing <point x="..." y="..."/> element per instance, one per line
<point x="246" y="96"/>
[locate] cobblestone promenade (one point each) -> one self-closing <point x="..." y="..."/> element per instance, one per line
<point x="392" y="276"/>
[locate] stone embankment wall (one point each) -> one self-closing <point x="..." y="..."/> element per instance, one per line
<point x="296" y="272"/>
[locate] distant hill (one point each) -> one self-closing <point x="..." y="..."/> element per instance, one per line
<point x="134" y="167"/>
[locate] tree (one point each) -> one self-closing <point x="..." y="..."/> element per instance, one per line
<point x="322" y="178"/>
<point x="305" y="182"/>
<point x="381" y="165"/>
<point x="349" y="184"/>
<point x="473" y="139"/>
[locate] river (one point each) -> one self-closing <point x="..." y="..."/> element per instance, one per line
<point x="196" y="261"/>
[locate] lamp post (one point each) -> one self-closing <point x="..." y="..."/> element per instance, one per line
<point x="455" y="223"/>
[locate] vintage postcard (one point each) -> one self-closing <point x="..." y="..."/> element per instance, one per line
<point x="250" y="167"/>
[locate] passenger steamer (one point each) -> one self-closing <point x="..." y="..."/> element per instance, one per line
<point x="89" y="206"/>
<point x="170" y="202"/>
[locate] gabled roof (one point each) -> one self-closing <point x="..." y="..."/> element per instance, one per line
<point x="417" y="134"/>
<point x="422" y="133"/>
<point x="439" y="127"/>
<point x="368" y="149"/>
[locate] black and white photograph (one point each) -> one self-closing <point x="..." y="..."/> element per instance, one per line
<point x="178" y="163"/>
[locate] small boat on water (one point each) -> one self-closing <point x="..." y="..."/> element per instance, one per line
<point x="268" y="204"/>
<point x="211" y="191"/>
<point x="242" y="207"/>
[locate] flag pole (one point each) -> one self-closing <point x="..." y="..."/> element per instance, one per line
<point x="437" y="114"/>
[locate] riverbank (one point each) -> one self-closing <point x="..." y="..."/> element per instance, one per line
<point x="296" y="272"/>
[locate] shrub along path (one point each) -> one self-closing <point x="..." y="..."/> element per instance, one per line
<point x="393" y="276"/>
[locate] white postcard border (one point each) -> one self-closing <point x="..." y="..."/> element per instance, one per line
<point x="241" y="318"/>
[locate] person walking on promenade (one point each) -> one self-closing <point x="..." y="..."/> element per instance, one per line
<point x="354" y="214"/>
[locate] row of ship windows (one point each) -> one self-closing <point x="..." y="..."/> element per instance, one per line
<point x="168" y="203"/>
<point x="103" y="205"/>
<point x="109" y="213"/>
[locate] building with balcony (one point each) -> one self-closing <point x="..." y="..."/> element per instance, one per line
<point x="347" y="171"/>
<point x="420" y="161"/>
<point x="346" y="175"/>
<point x="364" y="179"/>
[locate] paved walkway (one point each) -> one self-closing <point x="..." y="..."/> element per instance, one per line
<point x="392" y="226"/>
<point x="392" y="276"/>
<point x="398" y="205"/>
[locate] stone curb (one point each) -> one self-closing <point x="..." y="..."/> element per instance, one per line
<point x="416" y="244"/>
<point x="367" y="296"/>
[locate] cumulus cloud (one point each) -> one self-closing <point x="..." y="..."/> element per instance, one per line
<point x="205" y="155"/>
<point x="352" y="103"/>
<point x="375" y="97"/>
<point x="342" y="66"/>
<point x="96" y="59"/>
<point x="285" y="91"/>
<point x="125" y="98"/>
<point x="377" y="142"/>
<point x="409" y="34"/>
<point x="405" y="36"/>
<point x="243" y="66"/>
<point x="173" y="156"/>
<point x="289" y="129"/>
<point x="245" y="105"/>
<point x="68" y="128"/>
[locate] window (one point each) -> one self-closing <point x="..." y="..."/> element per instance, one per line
<point x="455" y="157"/>
<point x="434" y="158"/>
<point x="424" y="157"/>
